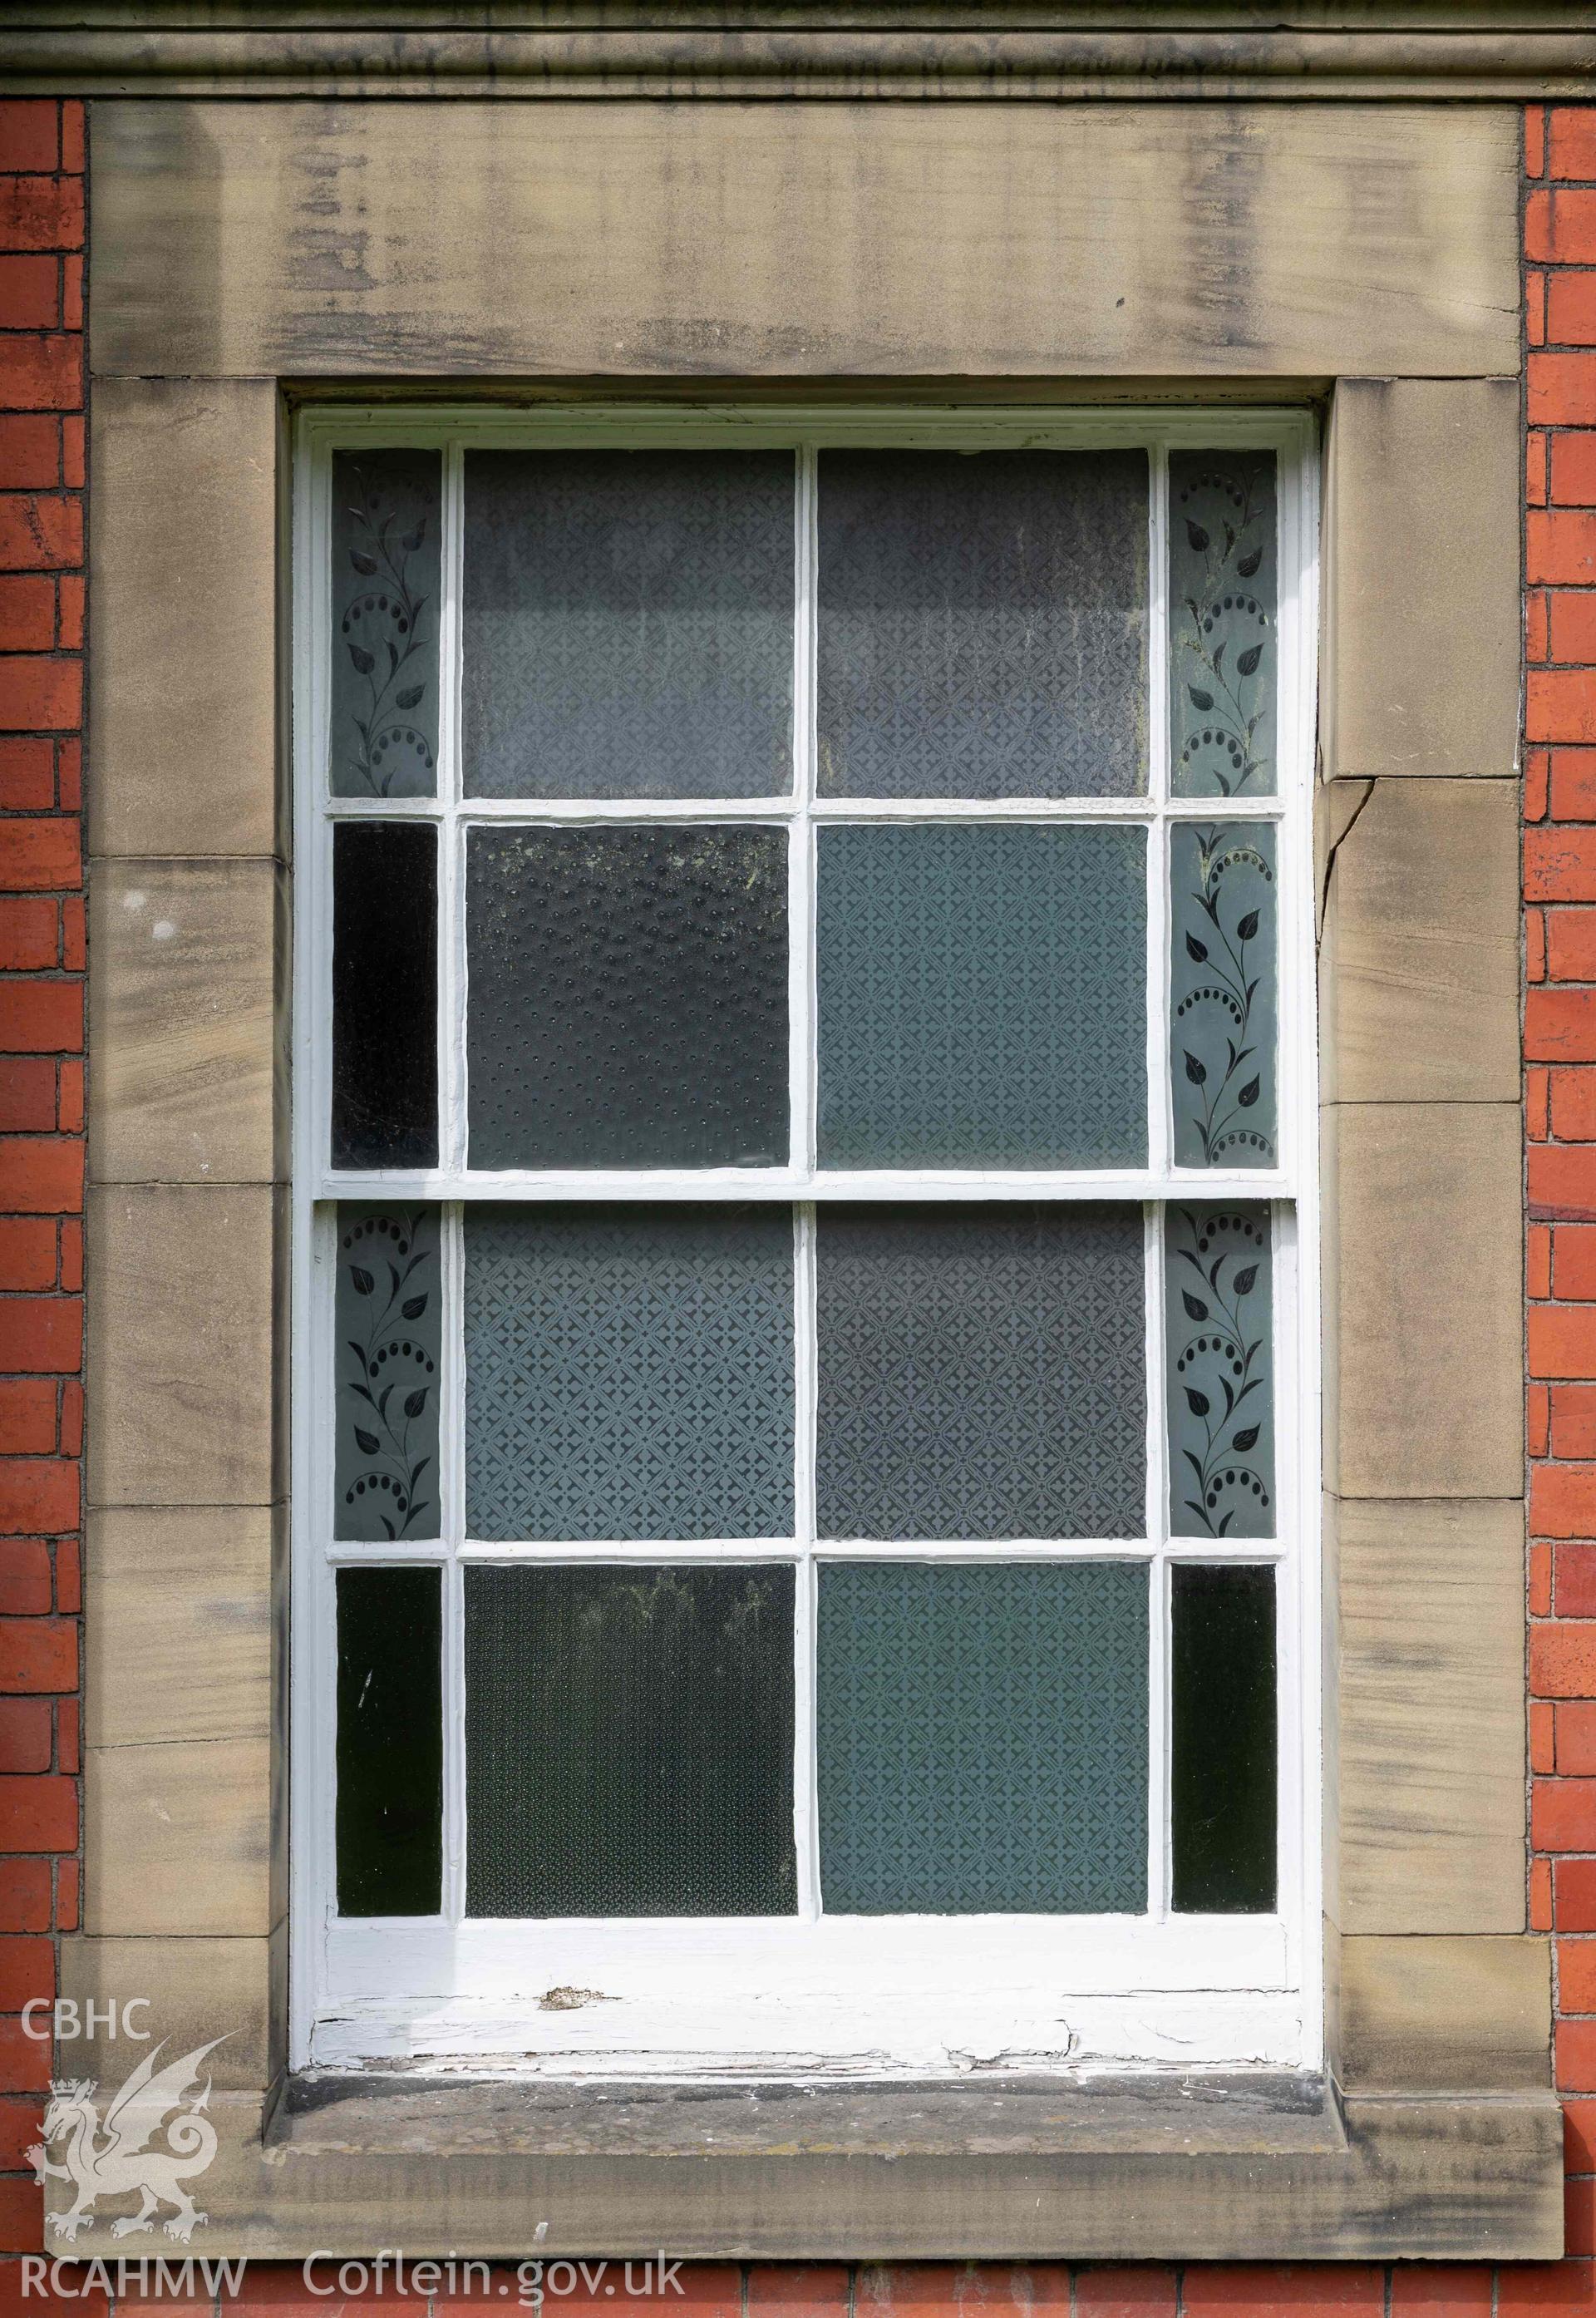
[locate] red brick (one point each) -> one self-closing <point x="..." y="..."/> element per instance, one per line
<point x="1540" y="1578"/>
<point x="1559" y="702"/>
<point x="74" y="934"/>
<point x="1138" y="2290"/>
<point x="1576" y="1975"/>
<point x="30" y="292"/>
<point x="29" y="938"/>
<point x="1536" y="770"/>
<point x="38" y="1814"/>
<point x="1560" y="545"/>
<point x="1577" y="1737"/>
<point x="30" y="452"/>
<point x="1559" y="862"/>
<point x="1574" y="2046"/>
<point x="1559" y="1024"/>
<point x="25" y="1587"/>
<point x="40" y="1018"/>
<point x="43" y="1334"/>
<point x="70" y="589"/>
<point x="1535" y="308"/>
<point x="73" y="468"/>
<point x="1543" y="1736"/>
<point x="41" y="214"/>
<point x="1573" y="469"/>
<point x="1537" y="1419"/>
<point x="916" y="2289"/>
<point x="1573" y="785"/>
<point x="69" y="1896"/>
<point x="25" y="1895"/>
<point x="1550" y="2290"/>
<point x="1571" y="309"/>
<point x="20" y="2127"/>
<point x="1571" y="622"/>
<point x="45" y="694"/>
<point x="1537" y="1103"/>
<point x="1571" y="945"/>
<point x="41" y="1178"/>
<point x="1538" y="1261"/>
<point x="1578" y="2218"/>
<point x="70" y="1116"/>
<point x="1563" y="1182"/>
<point x="27" y="1254"/>
<point x="37" y="855"/>
<point x="1562" y="1340"/>
<point x="1579" y="2135"/>
<point x="27" y="1092"/>
<point x="798" y="2285"/>
<point x="28" y="133"/>
<point x="27" y="761"/>
<point x="1537" y="465"/>
<point x="25" y="2060"/>
<point x="46" y="373"/>
<point x="27" y="1416"/>
<point x="1534" y="140"/>
<point x="39" y="532"/>
<point x="71" y="1255"/>
<point x="1570" y="143"/>
<point x="1576" y="1598"/>
<point x="1563" y="1661"/>
<point x="1219" y="2287"/>
<point x="72" y="133"/>
<point x="37" y="1653"/>
<point x="1563" y="1815"/>
<point x="69" y="748"/>
<point x="27" y="624"/>
<point x="1441" y="2289"/>
<point x="1562" y="1500"/>
<point x="68" y="1752"/>
<point x="1561" y="389"/>
<point x="1537" y="630"/>
<point x="27" y="1970"/>
<point x="26" y="1738"/>
<point x="22" y="2214"/>
<point x="38" y="1493"/>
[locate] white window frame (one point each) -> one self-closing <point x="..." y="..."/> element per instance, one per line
<point x="809" y="1995"/>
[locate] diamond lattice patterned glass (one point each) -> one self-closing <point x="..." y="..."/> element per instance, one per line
<point x="982" y="624"/>
<point x="628" y="621"/>
<point x="982" y="1738"/>
<point x="981" y="996"/>
<point x="629" y="1372"/>
<point x="388" y="1353"/>
<point x="628" y="997"/>
<point x="982" y="1372"/>
<point x="1224" y="661"/>
<point x="629" y="1741"/>
<point x="1222" y="994"/>
<point x="386" y="527"/>
<point x="1220" y="1357"/>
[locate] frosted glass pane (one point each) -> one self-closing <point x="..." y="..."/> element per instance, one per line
<point x="628" y="997"/>
<point x="1224" y="644"/>
<point x="1222" y="1776"/>
<point x="386" y="525"/>
<point x="1222" y="994"/>
<point x="628" y="623"/>
<point x="629" y="1372"/>
<point x="981" y="996"/>
<point x="982" y="624"/>
<point x="1218" y="1304"/>
<point x="982" y="1371"/>
<point x="982" y="1738"/>
<point x="388" y="1354"/>
<point x="629" y="1741"/>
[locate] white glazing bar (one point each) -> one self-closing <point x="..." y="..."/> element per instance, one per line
<point x="822" y="1184"/>
<point x="806" y="1396"/>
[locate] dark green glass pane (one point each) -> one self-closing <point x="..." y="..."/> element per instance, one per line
<point x="1219" y="1355"/>
<point x="389" y="1351"/>
<point x="628" y="997"/>
<point x="629" y="1741"/>
<point x="1222" y="1778"/>
<point x="981" y="996"/>
<point x="982" y="624"/>
<point x="982" y="1738"/>
<point x="385" y="985"/>
<point x="390" y="1742"/>
<point x="386" y="525"/>
<point x="628" y="623"/>
<point x="1223" y="975"/>
<point x="1224" y="655"/>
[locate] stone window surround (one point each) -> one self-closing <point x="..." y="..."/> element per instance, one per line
<point x="1443" y="2137"/>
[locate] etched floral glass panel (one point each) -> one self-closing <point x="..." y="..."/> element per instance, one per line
<point x="981" y="1743"/>
<point x="1223" y="996"/>
<point x="628" y="996"/>
<point x="385" y="995"/>
<point x="385" y="594"/>
<point x="389" y="1353"/>
<point x="629" y="1740"/>
<point x="981" y="996"/>
<point x="629" y="1372"/>
<point x="1220" y="1370"/>
<point x="982" y="624"/>
<point x="1224" y="633"/>
<point x="982" y="1371"/>
<point x="628" y="624"/>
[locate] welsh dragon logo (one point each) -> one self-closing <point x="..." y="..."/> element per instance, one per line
<point x="114" y="2156"/>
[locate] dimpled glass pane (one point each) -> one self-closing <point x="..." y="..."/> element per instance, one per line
<point x="389" y="1351"/>
<point x="1220" y="1357"/>
<point x="385" y="622"/>
<point x="982" y="1372"/>
<point x="1223" y="1008"/>
<point x="982" y="624"/>
<point x="1222" y="1743"/>
<point x="982" y="1738"/>
<point x="628" y="623"/>
<point x="629" y="1372"/>
<point x="629" y="1741"/>
<point x="628" y="997"/>
<point x="385" y="991"/>
<point x="1223" y="657"/>
<point x="390" y="1811"/>
<point x="981" y="996"/>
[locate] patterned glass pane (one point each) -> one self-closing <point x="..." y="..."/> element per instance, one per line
<point x="1222" y="994"/>
<point x="385" y="995"/>
<point x="982" y="1372"/>
<point x="981" y="996"/>
<point x="629" y="1741"/>
<point x="629" y="1372"/>
<point x="982" y="1738"/>
<point x="1223" y="1775"/>
<point x="390" y="1812"/>
<point x="1224" y="665"/>
<point x="1218" y="1303"/>
<point x="628" y="997"/>
<point x="982" y="624"/>
<point x="386" y="524"/>
<point x="628" y="623"/>
<point x="389" y="1351"/>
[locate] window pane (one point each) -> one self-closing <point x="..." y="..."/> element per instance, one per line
<point x="1223" y="663"/>
<point x="982" y="996"/>
<point x="389" y="1351"/>
<point x="1221" y="1356"/>
<point x="628" y="623"/>
<point x="982" y="626"/>
<point x="983" y="1738"/>
<point x="385" y="594"/>
<point x="1222" y="1776"/>
<point x="629" y="1741"/>
<point x="385" y="993"/>
<point x="629" y="1372"/>
<point x="982" y="1372"/>
<point x="628" y="997"/>
<point x="390" y="1742"/>
<point x="1223" y="974"/>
